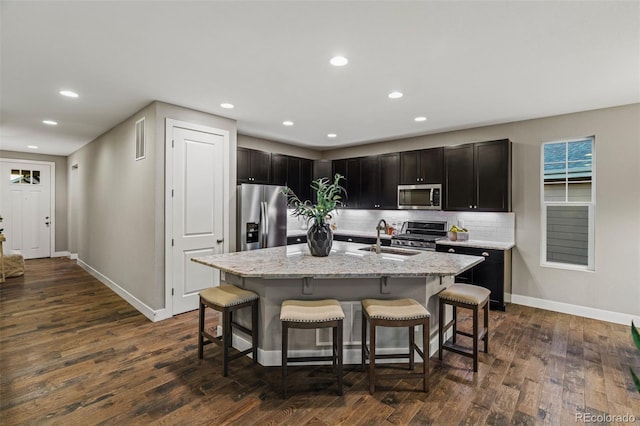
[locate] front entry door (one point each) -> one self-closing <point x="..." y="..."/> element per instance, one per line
<point x="26" y="207"/>
<point x="197" y="210"/>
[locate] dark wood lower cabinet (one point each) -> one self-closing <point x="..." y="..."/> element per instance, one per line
<point x="493" y="274"/>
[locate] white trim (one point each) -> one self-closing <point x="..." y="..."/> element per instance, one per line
<point x="150" y="313"/>
<point x="52" y="193"/>
<point x="61" y="254"/>
<point x="591" y="205"/>
<point x="170" y="123"/>
<point x="73" y="256"/>
<point x="581" y="311"/>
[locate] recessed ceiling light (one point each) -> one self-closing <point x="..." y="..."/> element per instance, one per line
<point x="32" y="147"/>
<point x="420" y="119"/>
<point x="50" y="122"/>
<point x="226" y="105"/>
<point x="69" y="93"/>
<point x="339" y="61"/>
<point x="287" y="123"/>
<point x="332" y="135"/>
<point x="395" y="95"/>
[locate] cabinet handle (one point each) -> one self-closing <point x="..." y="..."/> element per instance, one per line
<point x="298" y="240"/>
<point x="470" y="207"/>
<point x="350" y="240"/>
<point x="452" y="251"/>
<point x="485" y="254"/>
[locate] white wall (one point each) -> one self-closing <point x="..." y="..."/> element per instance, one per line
<point x="615" y="284"/>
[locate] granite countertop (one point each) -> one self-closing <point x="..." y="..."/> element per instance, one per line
<point x="345" y="261"/>
<point x="494" y="245"/>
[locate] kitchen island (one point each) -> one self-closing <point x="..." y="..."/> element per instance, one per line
<point x="349" y="274"/>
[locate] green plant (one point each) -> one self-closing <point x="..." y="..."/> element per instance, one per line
<point x="328" y="198"/>
<point x="636" y="340"/>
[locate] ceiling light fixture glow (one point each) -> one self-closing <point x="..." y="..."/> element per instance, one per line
<point x="32" y="147"/>
<point x="69" y="93"/>
<point x="420" y="119"/>
<point x="339" y="61"/>
<point x="226" y="105"/>
<point x="332" y="135"/>
<point x="50" y="122"/>
<point x="287" y="123"/>
<point x="395" y="95"/>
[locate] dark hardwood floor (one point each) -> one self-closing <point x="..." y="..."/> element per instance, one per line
<point x="72" y="352"/>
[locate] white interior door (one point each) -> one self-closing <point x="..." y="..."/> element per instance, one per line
<point x="26" y="207"/>
<point x="198" y="212"/>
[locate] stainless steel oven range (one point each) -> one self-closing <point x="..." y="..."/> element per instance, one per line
<point x="420" y="235"/>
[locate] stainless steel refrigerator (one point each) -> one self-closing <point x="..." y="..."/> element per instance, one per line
<point x="262" y="216"/>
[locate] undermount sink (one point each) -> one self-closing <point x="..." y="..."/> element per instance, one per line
<point x="390" y="250"/>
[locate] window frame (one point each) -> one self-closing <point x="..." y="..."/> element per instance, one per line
<point x="591" y="205"/>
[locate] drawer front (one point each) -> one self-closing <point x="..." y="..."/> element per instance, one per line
<point x="361" y="240"/>
<point x="297" y="240"/>
<point x="488" y="254"/>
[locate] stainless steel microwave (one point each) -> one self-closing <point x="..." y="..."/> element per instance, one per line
<point x="420" y="197"/>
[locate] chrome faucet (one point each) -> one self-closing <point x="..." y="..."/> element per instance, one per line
<point x="380" y="228"/>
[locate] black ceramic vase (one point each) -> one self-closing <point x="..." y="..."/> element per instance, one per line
<point x="319" y="239"/>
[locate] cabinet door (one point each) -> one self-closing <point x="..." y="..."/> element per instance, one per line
<point x="242" y="165"/>
<point x="492" y="176"/>
<point x="431" y="164"/>
<point x="389" y="173"/>
<point x="306" y="176"/>
<point x="279" y="169"/>
<point x="459" y="178"/>
<point x="293" y="176"/>
<point x="370" y="182"/>
<point x="490" y="275"/>
<point x="409" y="167"/>
<point x="260" y="166"/>
<point x="353" y="182"/>
<point x="322" y="169"/>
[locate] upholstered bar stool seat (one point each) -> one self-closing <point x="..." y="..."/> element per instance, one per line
<point x="227" y="299"/>
<point x="395" y="313"/>
<point x="468" y="297"/>
<point x="312" y="314"/>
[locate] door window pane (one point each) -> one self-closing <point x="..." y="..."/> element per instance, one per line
<point x="35" y="177"/>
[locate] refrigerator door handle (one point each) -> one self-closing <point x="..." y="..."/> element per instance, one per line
<point x="266" y="224"/>
<point x="263" y="224"/>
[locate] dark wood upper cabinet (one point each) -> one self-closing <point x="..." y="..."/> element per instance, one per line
<point x="350" y="169"/>
<point x="306" y="176"/>
<point x="279" y="164"/>
<point x="389" y="176"/>
<point x="422" y="166"/>
<point x="253" y="166"/>
<point x="379" y="181"/>
<point x="478" y="177"/>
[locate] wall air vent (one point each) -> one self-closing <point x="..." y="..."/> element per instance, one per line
<point x="140" y="139"/>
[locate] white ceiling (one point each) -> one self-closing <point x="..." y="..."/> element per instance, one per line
<point x="461" y="64"/>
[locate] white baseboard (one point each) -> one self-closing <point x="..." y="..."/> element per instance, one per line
<point x="73" y="256"/>
<point x="582" y="311"/>
<point x="61" y="254"/>
<point x="153" y="315"/>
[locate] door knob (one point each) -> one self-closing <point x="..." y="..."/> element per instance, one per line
<point x="219" y="241"/>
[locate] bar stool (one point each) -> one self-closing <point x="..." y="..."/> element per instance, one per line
<point x="227" y="299"/>
<point x="469" y="297"/>
<point x="395" y="313"/>
<point x="312" y="314"/>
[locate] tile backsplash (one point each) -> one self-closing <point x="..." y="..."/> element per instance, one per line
<point x="498" y="227"/>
